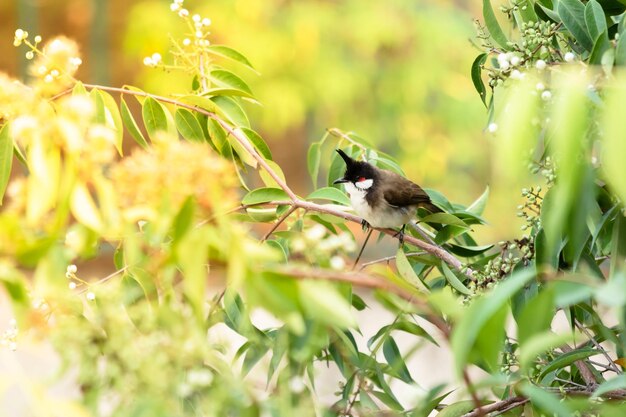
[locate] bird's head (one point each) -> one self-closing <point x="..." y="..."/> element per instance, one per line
<point x="359" y="173"/>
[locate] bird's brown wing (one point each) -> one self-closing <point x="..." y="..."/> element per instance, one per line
<point x="406" y="193"/>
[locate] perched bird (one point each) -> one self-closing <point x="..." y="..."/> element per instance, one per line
<point x="381" y="197"/>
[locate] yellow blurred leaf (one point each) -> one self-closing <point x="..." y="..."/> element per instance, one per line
<point x="84" y="208"/>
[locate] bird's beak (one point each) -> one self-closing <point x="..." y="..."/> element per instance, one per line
<point x="340" y="181"/>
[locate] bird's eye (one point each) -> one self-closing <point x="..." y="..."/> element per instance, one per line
<point x="361" y="179"/>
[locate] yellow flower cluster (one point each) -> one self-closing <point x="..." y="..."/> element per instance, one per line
<point x="55" y="67"/>
<point x="15" y="97"/>
<point x="164" y="176"/>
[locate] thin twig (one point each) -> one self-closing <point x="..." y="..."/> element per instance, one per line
<point x="389" y="258"/>
<point x="479" y="410"/>
<point x="584" y="370"/>
<point x="356" y="261"/>
<point x="592" y="339"/>
<point x="498" y="406"/>
<point x="279" y="222"/>
<point x="295" y="200"/>
<point x="422" y="233"/>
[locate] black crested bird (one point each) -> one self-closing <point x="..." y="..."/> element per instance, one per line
<point x="382" y="198"/>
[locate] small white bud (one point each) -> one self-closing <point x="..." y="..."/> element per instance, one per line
<point x="296" y="384"/>
<point x="546" y="95"/>
<point x="174" y="7"/>
<point x="147" y="61"/>
<point x="54" y="73"/>
<point x="504" y="65"/>
<point x="540" y="87"/>
<point x="206" y="21"/>
<point x="569" y="57"/>
<point x="516" y="75"/>
<point x="91" y="296"/>
<point x="199" y="34"/>
<point x="37" y="39"/>
<point x="72" y="285"/>
<point x="186" y="41"/>
<point x="48" y="78"/>
<point x="30" y="55"/>
<point x="72" y="269"/>
<point x="19" y="34"/>
<point x="492" y="128"/>
<point x="337" y="263"/>
<point x="515" y="60"/>
<point x="156" y="57"/>
<point x="196" y="18"/>
<point x="183" y="13"/>
<point x="540" y="64"/>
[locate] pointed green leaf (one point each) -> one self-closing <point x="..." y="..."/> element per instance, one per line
<point x="478" y="206"/>
<point x="493" y="26"/>
<point x="154" y="118"/>
<point x="226" y="79"/>
<point x="258" y="142"/>
<point x="6" y="159"/>
<point x="595" y="19"/>
<point x="453" y="280"/>
<point x="131" y="125"/>
<point x="601" y="45"/>
<point x="572" y="13"/>
<point x="406" y="271"/>
<point x="230" y="53"/>
<point x="264" y="195"/>
<point x="466" y="332"/>
<point x="230" y="109"/>
<point x="313" y="158"/>
<point x="620" y="50"/>
<point x="477" y="78"/>
<point x="329" y="193"/>
<point x="188" y="125"/>
<point x="444" y="218"/>
<point x="113" y="119"/>
<point x="619" y="382"/>
<point x="395" y="360"/>
<point x="322" y="301"/>
<point x="567" y="359"/>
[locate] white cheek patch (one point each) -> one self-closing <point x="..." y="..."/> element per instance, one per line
<point x="365" y="184"/>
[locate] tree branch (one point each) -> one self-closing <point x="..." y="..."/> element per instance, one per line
<point x="437" y="251"/>
<point x="279" y="222"/>
<point x="498" y="406"/>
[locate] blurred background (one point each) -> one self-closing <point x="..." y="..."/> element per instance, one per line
<point x="395" y="72"/>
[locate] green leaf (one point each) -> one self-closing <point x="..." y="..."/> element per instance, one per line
<point x="444" y="218"/>
<point x="567" y="359"/>
<point x="545" y="401"/>
<point x="601" y="45"/>
<point x="329" y="193"/>
<point x="478" y="206"/>
<point x="493" y="26"/>
<point x="230" y="53"/>
<point x="406" y="271"/>
<point x="188" y="125"/>
<point x="228" y="80"/>
<point x="614" y="150"/>
<point x="537" y="345"/>
<point x="536" y="316"/>
<point x="595" y="19"/>
<point x="230" y="109"/>
<point x="321" y="301"/>
<point x="469" y="251"/>
<point x="572" y="13"/>
<point x="264" y="195"/>
<point x="466" y="332"/>
<point x="457" y="409"/>
<point x="477" y="78"/>
<point x="395" y="360"/>
<point x="131" y="125"/>
<point x="113" y="118"/>
<point x="154" y="118"/>
<point x="620" y="50"/>
<point x="6" y="159"/>
<point x="192" y="252"/>
<point x="183" y="220"/>
<point x="313" y="158"/>
<point x="453" y="280"/>
<point x="258" y="142"/>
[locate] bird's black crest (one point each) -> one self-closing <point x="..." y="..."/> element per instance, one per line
<point x="356" y="169"/>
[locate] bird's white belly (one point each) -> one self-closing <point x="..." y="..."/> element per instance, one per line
<point x="384" y="216"/>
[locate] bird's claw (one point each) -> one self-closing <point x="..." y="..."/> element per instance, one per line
<point x="365" y="225"/>
<point x="400" y="235"/>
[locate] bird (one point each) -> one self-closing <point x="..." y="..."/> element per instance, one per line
<point x="382" y="198"/>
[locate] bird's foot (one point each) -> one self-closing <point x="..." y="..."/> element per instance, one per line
<point x="365" y="225"/>
<point x="400" y="235"/>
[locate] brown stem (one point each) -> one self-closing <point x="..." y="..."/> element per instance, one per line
<point x="499" y="406"/>
<point x="356" y="261"/>
<point x="279" y="222"/>
<point x="583" y="329"/>
<point x="389" y="258"/>
<point x="584" y="370"/>
<point x="470" y="387"/>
